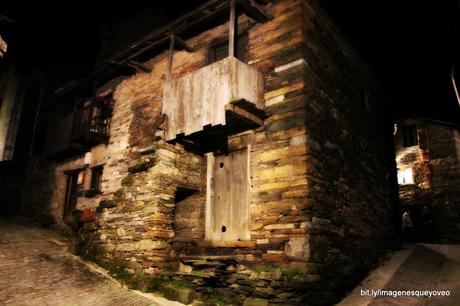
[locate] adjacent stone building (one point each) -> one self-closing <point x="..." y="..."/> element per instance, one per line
<point x="262" y="176"/>
<point x="428" y="161"/>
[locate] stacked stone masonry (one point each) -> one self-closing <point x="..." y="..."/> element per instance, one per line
<point x="319" y="198"/>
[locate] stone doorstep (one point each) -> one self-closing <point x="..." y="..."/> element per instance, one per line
<point x="228" y="244"/>
<point x="207" y="275"/>
<point x="204" y="263"/>
<point x="208" y="257"/>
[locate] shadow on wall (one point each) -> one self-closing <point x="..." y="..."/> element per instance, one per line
<point x="11" y="180"/>
<point x="26" y="189"/>
<point x="37" y="191"/>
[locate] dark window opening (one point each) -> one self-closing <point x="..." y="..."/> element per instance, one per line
<point x="69" y="108"/>
<point x="219" y="50"/>
<point x="96" y="178"/>
<point x="409" y="136"/>
<point x="182" y="193"/>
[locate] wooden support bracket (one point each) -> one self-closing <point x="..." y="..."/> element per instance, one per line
<point x="243" y="113"/>
<point x="255" y="10"/>
<point x="172" y="39"/>
<point x="183" y="45"/>
<point x="139" y="66"/>
<point x="231" y="31"/>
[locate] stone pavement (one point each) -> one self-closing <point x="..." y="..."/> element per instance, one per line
<point x="416" y="267"/>
<point x="36" y="269"/>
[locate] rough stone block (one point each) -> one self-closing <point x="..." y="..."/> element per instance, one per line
<point x="298" y="248"/>
<point x="182" y="295"/>
<point x="255" y="302"/>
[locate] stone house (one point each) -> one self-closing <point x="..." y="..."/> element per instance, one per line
<point x="244" y="157"/>
<point x="428" y="162"/>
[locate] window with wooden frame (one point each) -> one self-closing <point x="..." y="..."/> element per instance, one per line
<point x="219" y="49"/>
<point x="96" y="178"/>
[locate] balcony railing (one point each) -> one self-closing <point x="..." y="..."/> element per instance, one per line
<point x="91" y="125"/>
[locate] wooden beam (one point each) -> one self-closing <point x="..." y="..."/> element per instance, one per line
<point x="231" y="30"/>
<point x="149" y="46"/>
<point x="255" y="11"/>
<point x="139" y="66"/>
<point x="171" y="54"/>
<point x="227" y="244"/>
<point x="181" y="43"/>
<point x="133" y="64"/>
<point x="243" y="113"/>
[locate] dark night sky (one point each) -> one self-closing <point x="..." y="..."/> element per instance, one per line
<point x="409" y="44"/>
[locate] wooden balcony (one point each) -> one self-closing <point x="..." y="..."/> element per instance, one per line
<point x="218" y="100"/>
<point x="91" y="125"/>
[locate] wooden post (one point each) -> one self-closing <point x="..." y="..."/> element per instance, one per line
<point x="171" y="54"/>
<point x="231" y="32"/>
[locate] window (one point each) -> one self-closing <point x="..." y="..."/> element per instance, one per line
<point x="96" y="178"/>
<point x="219" y="50"/>
<point x="405" y="176"/>
<point x="409" y="136"/>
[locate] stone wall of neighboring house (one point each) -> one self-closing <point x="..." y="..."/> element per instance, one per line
<point x="318" y="197"/>
<point x="435" y="164"/>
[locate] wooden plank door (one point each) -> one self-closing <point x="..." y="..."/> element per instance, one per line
<point x="227" y="201"/>
<point x="71" y="193"/>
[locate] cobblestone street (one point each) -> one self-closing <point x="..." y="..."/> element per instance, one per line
<point x="36" y="269"/>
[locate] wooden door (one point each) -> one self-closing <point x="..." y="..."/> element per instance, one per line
<point x="227" y="201"/>
<point x="71" y="193"/>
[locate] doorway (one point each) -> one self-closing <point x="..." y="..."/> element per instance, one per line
<point x="71" y="195"/>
